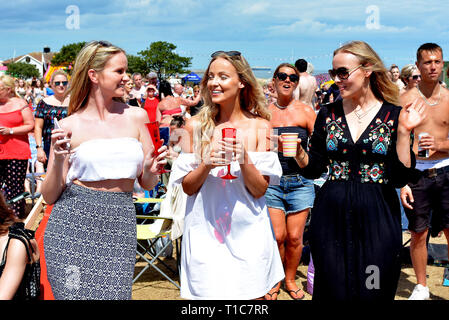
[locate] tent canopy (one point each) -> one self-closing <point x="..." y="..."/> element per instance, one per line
<point x="192" y="77"/>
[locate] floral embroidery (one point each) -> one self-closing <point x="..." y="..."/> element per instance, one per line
<point x="374" y="173"/>
<point x="380" y="137"/>
<point x="334" y="133"/>
<point x="339" y="170"/>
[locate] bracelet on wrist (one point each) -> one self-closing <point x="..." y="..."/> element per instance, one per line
<point x="298" y="159"/>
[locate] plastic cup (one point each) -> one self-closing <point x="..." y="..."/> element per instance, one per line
<point x="289" y="143"/>
<point x="423" y="153"/>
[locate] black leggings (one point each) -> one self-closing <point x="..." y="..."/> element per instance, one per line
<point x="12" y="183"/>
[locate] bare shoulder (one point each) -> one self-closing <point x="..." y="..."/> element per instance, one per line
<point x="192" y="123"/>
<point x="408" y="96"/>
<point x="17" y="252"/>
<point x="18" y="102"/>
<point x="304" y="109"/>
<point x="262" y="123"/>
<point x="136" y="114"/>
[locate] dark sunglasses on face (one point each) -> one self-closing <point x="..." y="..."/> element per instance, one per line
<point x="416" y="77"/>
<point x="283" y="76"/>
<point x="228" y="53"/>
<point x="342" y="73"/>
<point x="61" y="83"/>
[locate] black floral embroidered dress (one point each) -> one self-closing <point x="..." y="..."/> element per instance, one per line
<point x="356" y="219"/>
<point x="48" y="113"/>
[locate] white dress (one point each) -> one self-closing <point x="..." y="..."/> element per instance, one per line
<point x="229" y="250"/>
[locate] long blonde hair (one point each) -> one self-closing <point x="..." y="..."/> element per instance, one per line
<point x="381" y="85"/>
<point x="252" y="98"/>
<point x="94" y="55"/>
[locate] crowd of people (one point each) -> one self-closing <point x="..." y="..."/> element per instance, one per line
<point x="368" y="132"/>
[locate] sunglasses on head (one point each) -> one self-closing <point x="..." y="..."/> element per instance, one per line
<point x="228" y="53"/>
<point x="416" y="77"/>
<point x="101" y="43"/>
<point x="283" y="76"/>
<point x="342" y="73"/>
<point x="61" y="83"/>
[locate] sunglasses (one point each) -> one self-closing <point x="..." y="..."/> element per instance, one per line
<point x="100" y="43"/>
<point x="416" y="77"/>
<point x="61" y="83"/>
<point x="283" y="76"/>
<point x="228" y="53"/>
<point x="342" y="73"/>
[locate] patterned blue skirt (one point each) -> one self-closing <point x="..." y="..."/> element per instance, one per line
<point x="90" y="245"/>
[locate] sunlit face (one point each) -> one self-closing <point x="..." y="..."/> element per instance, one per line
<point x="178" y="89"/>
<point x="113" y="78"/>
<point x="137" y="81"/>
<point x="5" y="92"/>
<point x="59" y="85"/>
<point x="414" y="79"/>
<point x="431" y="65"/>
<point x="285" y="87"/>
<point x="223" y="82"/>
<point x="152" y="81"/>
<point x="353" y="85"/>
<point x="21" y="83"/>
<point x="150" y="92"/>
<point x="129" y="86"/>
<point x="395" y="74"/>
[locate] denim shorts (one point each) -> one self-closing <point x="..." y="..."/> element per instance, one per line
<point x="295" y="193"/>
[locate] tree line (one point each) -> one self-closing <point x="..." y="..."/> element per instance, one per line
<point x="159" y="57"/>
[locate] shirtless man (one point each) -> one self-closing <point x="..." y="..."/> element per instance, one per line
<point x="305" y="91"/>
<point x="431" y="192"/>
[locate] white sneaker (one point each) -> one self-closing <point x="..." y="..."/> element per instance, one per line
<point x="420" y="293"/>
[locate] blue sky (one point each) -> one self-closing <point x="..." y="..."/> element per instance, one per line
<point x="267" y="32"/>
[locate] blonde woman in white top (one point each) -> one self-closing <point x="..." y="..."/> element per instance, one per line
<point x="101" y="148"/>
<point x="228" y="250"/>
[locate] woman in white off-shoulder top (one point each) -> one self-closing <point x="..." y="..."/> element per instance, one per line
<point x="95" y="157"/>
<point x="228" y="249"/>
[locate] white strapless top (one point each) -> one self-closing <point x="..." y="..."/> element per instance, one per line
<point x="105" y="159"/>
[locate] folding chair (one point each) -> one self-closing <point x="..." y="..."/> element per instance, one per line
<point x="150" y="234"/>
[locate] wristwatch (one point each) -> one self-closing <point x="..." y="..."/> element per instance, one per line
<point x="38" y="146"/>
<point x="11" y="131"/>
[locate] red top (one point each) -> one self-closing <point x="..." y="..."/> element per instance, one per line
<point x="13" y="146"/>
<point x="171" y="111"/>
<point x="151" y="107"/>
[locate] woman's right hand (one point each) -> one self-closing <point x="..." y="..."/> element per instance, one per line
<point x="217" y="155"/>
<point x="41" y="156"/>
<point x="60" y="141"/>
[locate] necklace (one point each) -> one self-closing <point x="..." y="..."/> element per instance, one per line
<point x="361" y="115"/>
<point x="425" y="100"/>
<point x="280" y="107"/>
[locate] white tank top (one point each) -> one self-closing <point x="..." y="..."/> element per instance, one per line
<point x="105" y="159"/>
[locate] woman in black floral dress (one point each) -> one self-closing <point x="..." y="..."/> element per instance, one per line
<point x="364" y="140"/>
<point x="47" y="110"/>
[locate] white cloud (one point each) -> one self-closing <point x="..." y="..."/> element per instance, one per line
<point x="256" y="8"/>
